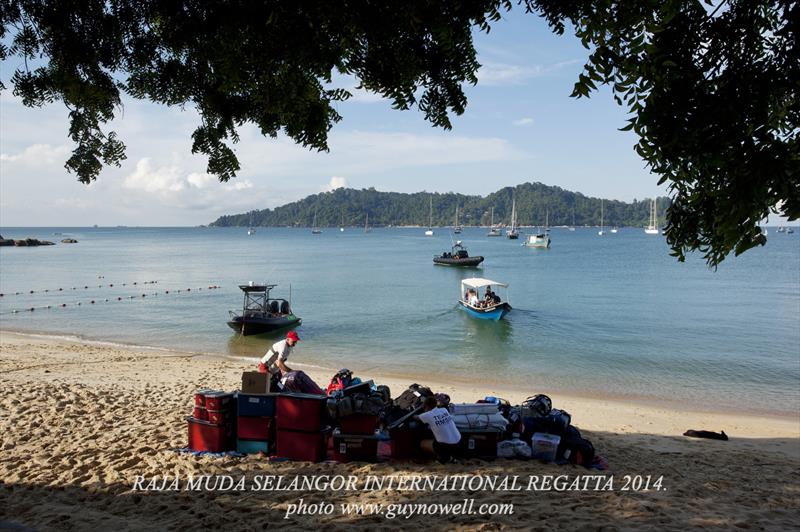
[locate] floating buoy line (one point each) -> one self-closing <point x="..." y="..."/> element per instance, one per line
<point x="109" y="299"/>
<point x="84" y="287"/>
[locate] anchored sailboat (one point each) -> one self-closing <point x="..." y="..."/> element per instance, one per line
<point x="429" y="232"/>
<point x="457" y="228"/>
<point x="601" y="232"/>
<point x="512" y="233"/>
<point x="493" y="231"/>
<point x="652" y="228"/>
<point x="314" y="229"/>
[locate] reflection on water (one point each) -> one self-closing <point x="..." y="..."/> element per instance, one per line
<point x="589" y="313"/>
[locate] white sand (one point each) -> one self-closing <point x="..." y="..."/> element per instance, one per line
<point x="80" y="421"/>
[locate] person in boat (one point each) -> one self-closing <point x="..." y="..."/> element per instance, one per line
<point x="472" y="298"/>
<point x="274" y="360"/>
<point x="490" y="299"/>
<point x="445" y="433"/>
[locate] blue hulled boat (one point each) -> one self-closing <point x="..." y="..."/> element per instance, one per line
<point x="487" y="307"/>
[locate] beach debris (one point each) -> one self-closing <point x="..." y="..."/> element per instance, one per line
<point x="706" y="434"/>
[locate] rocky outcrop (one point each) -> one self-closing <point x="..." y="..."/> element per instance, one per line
<point x="6" y="241"/>
<point x="32" y="242"/>
<point x="69" y="241"/>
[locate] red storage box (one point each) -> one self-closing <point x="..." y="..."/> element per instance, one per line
<point x="205" y="436"/>
<point x="255" y="428"/>
<point x="200" y="412"/>
<point x="303" y="446"/>
<point x="301" y="411"/>
<point x="479" y="443"/>
<point x="404" y="441"/>
<point x="354" y="447"/>
<point x="220" y="416"/>
<point x="358" y="424"/>
<point x="218" y="400"/>
<point x="200" y="397"/>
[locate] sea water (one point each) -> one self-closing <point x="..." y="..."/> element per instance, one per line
<point x="611" y="316"/>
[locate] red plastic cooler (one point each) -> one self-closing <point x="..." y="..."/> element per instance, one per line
<point x="205" y="436"/>
<point x="303" y="446"/>
<point x="301" y="411"/>
<point x="255" y="428"/>
<point x="359" y="424"/>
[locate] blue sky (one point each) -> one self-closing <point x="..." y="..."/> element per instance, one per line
<point x="520" y="125"/>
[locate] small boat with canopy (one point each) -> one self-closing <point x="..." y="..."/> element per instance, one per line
<point x="262" y="313"/>
<point x="479" y="305"/>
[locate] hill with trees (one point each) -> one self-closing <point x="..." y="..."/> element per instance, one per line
<point x="534" y="202"/>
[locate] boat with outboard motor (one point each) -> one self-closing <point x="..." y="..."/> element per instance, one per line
<point x="457" y="257"/>
<point x="262" y="313"/>
<point x="491" y="308"/>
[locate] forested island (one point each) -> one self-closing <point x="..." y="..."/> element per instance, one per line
<point x="534" y="203"/>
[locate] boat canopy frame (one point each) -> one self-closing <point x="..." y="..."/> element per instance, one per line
<point x="256" y="299"/>
<point x="477" y="283"/>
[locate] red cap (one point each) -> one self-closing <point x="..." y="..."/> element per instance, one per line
<point x="291" y="335"/>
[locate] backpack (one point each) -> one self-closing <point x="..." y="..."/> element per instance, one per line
<point x="340" y="381"/>
<point x="575" y="449"/>
<point x="413" y="397"/>
<point x="537" y="406"/>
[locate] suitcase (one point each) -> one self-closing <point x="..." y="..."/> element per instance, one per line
<point x="205" y="436"/>
<point x="302" y="446"/>
<point x="255" y="405"/>
<point x="298" y="411"/>
<point x="255" y="428"/>
<point x="355" y="447"/>
<point x="362" y="387"/>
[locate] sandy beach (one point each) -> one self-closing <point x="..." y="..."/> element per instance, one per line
<point x="81" y="422"/>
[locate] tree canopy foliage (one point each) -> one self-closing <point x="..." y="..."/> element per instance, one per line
<point x="712" y="88"/>
<point x="536" y="204"/>
<point x="714" y="93"/>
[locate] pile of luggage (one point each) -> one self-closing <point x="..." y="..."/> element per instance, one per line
<point x="354" y="420"/>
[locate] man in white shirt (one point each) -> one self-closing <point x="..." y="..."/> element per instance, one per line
<point x="274" y="360"/>
<point x="445" y="433"/>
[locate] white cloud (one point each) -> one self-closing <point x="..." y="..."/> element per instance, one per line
<point x="200" y="180"/>
<point x="239" y="184"/>
<point x="160" y="180"/>
<point x="371" y="153"/>
<point x="334" y="183"/>
<point x="506" y="74"/>
<point x="38" y="154"/>
<point x="523" y="121"/>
